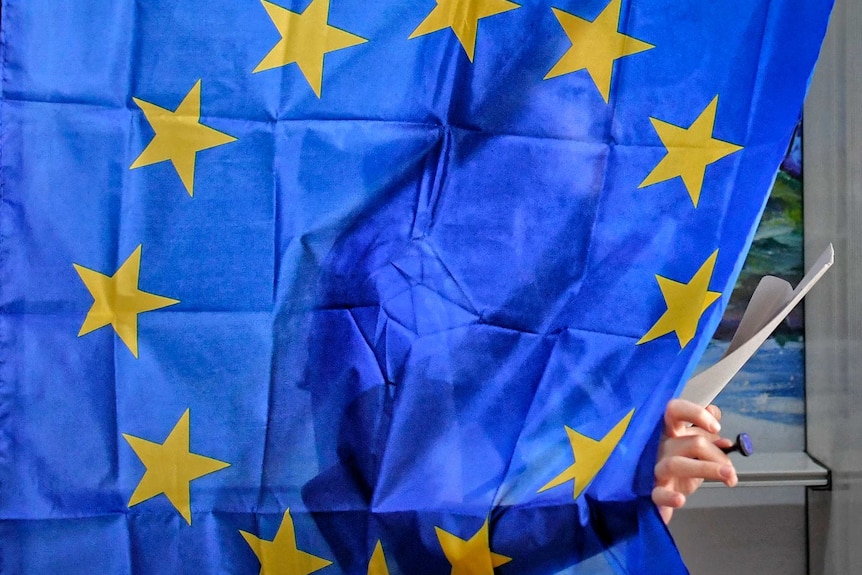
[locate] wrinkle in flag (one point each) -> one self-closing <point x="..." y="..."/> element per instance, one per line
<point x="368" y="288"/>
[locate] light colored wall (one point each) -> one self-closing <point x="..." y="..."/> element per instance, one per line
<point x="756" y="540"/>
<point x="743" y="531"/>
<point x="833" y="212"/>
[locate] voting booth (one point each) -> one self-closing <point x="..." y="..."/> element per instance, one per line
<point x="422" y="310"/>
<point x="797" y="506"/>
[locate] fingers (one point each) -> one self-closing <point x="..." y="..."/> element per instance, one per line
<point x="690" y="431"/>
<point x="676" y="468"/>
<point x="693" y="458"/>
<point x="715" y="411"/>
<point x="723" y="442"/>
<point x="680" y="413"/>
<point x="697" y="447"/>
<point x="667" y="501"/>
<point x="664" y="497"/>
<point x="690" y="451"/>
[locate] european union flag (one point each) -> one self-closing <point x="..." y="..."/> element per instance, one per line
<point x="368" y="288"/>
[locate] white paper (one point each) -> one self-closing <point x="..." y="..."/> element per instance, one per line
<point x="771" y="302"/>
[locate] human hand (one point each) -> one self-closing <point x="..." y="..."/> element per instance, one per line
<point x="689" y="454"/>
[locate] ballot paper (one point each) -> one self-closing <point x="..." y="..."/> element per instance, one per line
<point x="772" y="301"/>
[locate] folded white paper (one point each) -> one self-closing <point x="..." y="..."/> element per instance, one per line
<point x="771" y="302"/>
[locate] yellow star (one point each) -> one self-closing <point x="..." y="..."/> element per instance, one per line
<point x="685" y="304"/>
<point x="280" y="556"/>
<point x="171" y="467"/>
<point x="377" y="565"/>
<point x="118" y="301"/>
<point x="471" y="556"/>
<point x="596" y="46"/>
<point x="179" y="136"/>
<point x="689" y="151"/>
<point x="590" y="456"/>
<point x="305" y="39"/>
<point x="463" y="17"/>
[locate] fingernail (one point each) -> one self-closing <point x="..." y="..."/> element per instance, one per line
<point x="715" y="427"/>
<point x="726" y="471"/>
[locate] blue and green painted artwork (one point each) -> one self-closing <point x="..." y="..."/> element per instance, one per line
<point x="768" y="395"/>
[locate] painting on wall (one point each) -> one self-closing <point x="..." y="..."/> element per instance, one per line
<point x="767" y="398"/>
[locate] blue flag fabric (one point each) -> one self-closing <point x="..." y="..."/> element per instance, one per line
<point x="368" y="288"/>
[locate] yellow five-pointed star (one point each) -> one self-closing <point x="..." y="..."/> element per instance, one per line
<point x="305" y="39"/>
<point x="596" y="46"/>
<point x="471" y="556"/>
<point x="171" y="467"/>
<point x="179" y="136"/>
<point x="118" y="301"/>
<point x="377" y="564"/>
<point x="280" y="556"/>
<point x="590" y="456"/>
<point x="685" y="304"/>
<point x="463" y="17"/>
<point x="689" y="151"/>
